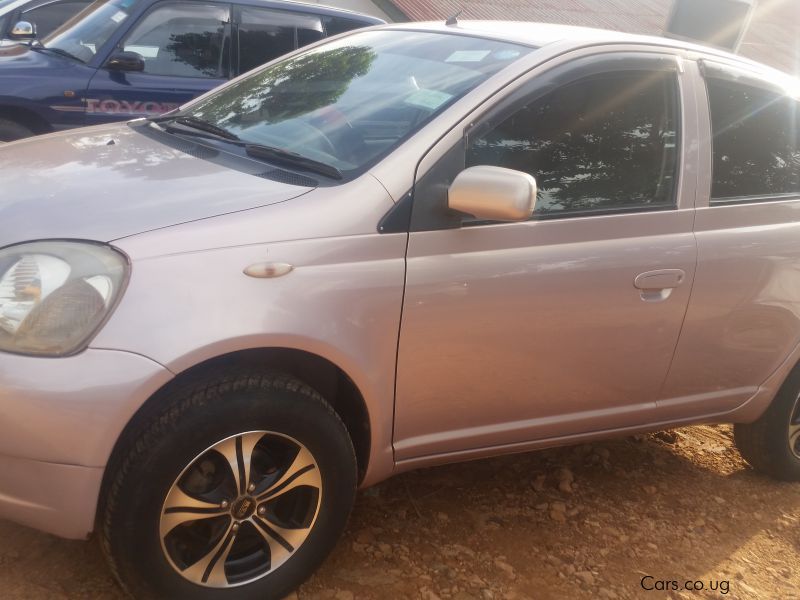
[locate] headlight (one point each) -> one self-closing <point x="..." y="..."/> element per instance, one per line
<point x="55" y="295"/>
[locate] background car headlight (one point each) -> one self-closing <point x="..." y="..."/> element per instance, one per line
<point x="54" y="295"/>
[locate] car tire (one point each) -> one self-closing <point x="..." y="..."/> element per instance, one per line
<point x="11" y="130"/>
<point x="772" y="443"/>
<point x="259" y="523"/>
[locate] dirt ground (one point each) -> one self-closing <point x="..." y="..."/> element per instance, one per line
<point x="605" y="520"/>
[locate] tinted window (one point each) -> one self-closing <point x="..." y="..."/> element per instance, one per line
<point x="183" y="40"/>
<point x="51" y="16"/>
<point x="337" y="25"/>
<point x="267" y="34"/>
<point x="604" y="142"/>
<point x="84" y="37"/>
<point x="755" y="141"/>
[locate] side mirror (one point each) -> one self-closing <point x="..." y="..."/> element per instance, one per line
<point x="125" y="60"/>
<point x="493" y="193"/>
<point x="23" y="30"/>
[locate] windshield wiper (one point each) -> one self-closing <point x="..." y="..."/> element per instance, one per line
<point x="269" y="153"/>
<point x="200" y="125"/>
<point x="42" y="48"/>
<point x="292" y="159"/>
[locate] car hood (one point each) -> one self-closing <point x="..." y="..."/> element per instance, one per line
<point x="20" y="57"/>
<point x="108" y="182"/>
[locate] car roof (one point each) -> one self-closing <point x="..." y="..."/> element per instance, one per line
<point x="542" y="34"/>
<point x="320" y="9"/>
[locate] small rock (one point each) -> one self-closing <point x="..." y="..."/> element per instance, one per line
<point x="487" y="594"/>
<point x="650" y="489"/>
<point x="603" y="453"/>
<point x="585" y="577"/>
<point x="442" y="517"/>
<point x="558" y="516"/>
<point x="505" y="567"/>
<point x="669" y="437"/>
<point x="538" y="483"/>
<point x="359" y="548"/>
<point x="344" y="595"/>
<point x="565" y="474"/>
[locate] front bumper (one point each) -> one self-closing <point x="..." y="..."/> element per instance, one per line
<point x="59" y="421"/>
<point x="59" y="499"/>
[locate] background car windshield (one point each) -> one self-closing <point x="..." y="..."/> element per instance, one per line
<point x="84" y="37"/>
<point x="350" y="102"/>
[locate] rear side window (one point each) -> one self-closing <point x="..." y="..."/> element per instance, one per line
<point x="603" y="143"/>
<point x="755" y="141"/>
<point x="267" y="34"/>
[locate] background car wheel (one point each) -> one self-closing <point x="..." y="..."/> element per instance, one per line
<point x="772" y="444"/>
<point x="11" y="130"/>
<point x="238" y="488"/>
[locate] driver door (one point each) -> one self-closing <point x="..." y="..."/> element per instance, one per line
<point x="186" y="50"/>
<point x="514" y="332"/>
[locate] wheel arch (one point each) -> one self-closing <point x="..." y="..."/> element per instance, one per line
<point x="320" y="373"/>
<point x="25" y="116"/>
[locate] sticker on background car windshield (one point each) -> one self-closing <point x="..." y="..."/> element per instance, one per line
<point x="506" y="54"/>
<point x="430" y="99"/>
<point x="119" y="17"/>
<point x="467" y="56"/>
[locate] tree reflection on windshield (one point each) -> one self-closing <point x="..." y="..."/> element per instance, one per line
<point x="290" y="89"/>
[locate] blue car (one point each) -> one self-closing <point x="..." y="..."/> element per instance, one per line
<point x="121" y="59"/>
<point x="44" y="15"/>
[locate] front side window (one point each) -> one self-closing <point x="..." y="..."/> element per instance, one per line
<point x="83" y="37"/>
<point x="756" y="141"/>
<point x="267" y="34"/>
<point x="605" y="142"/>
<point x="350" y="102"/>
<point x="184" y="40"/>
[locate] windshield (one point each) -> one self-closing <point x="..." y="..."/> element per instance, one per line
<point x="83" y="35"/>
<point x="350" y="102"/>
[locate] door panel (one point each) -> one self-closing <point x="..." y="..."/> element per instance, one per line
<point x="743" y="320"/>
<point x="113" y="96"/>
<point x="524" y="331"/>
<point x="744" y="316"/>
<point x="566" y="323"/>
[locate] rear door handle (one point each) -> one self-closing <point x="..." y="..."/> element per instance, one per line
<point x="658" y="285"/>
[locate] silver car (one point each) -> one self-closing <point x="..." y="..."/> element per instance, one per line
<point x="402" y="247"/>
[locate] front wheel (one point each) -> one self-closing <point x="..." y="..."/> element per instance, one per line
<point x="772" y="443"/>
<point x="237" y="489"/>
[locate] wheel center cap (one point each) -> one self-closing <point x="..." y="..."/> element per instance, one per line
<point x="243" y="508"/>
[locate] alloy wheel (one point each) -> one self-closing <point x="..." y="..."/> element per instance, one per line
<point x="240" y="509"/>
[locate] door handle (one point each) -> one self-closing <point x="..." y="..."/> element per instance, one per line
<point x="658" y="285"/>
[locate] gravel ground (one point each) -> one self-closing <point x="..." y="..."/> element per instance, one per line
<point x="588" y="521"/>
